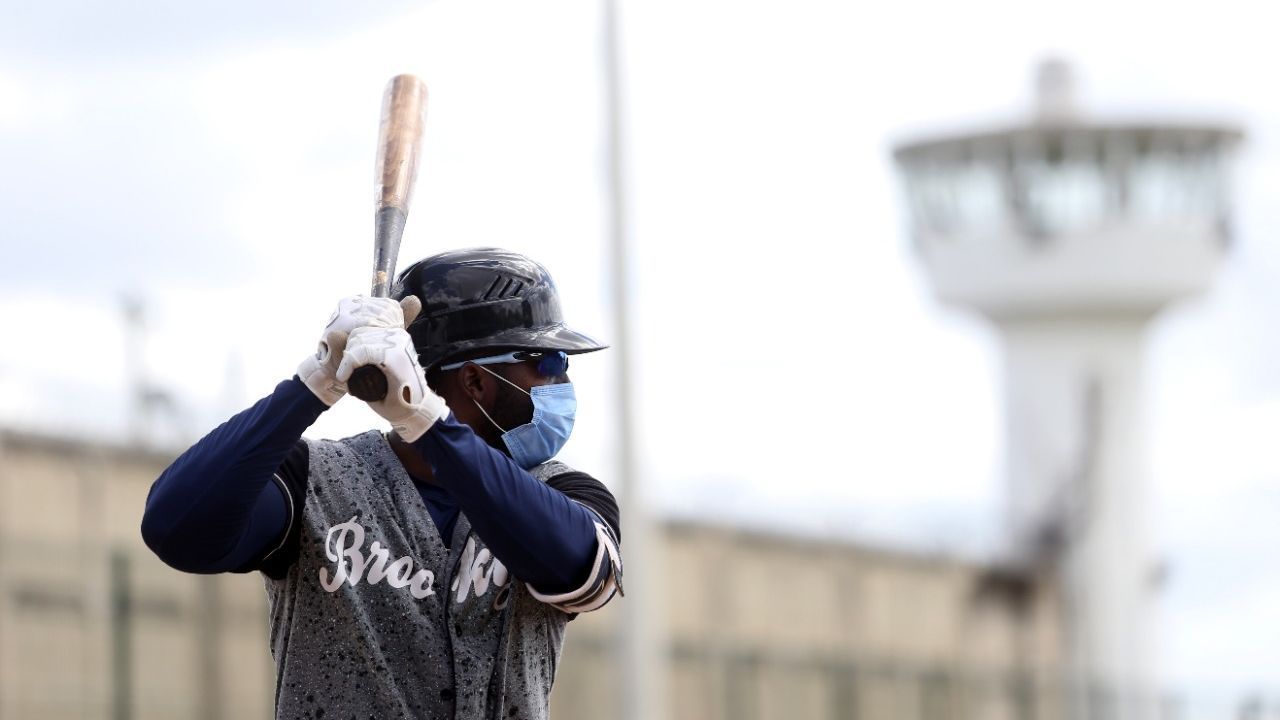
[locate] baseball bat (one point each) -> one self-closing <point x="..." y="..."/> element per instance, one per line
<point x="404" y="107"/>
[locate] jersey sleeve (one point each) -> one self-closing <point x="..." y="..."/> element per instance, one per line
<point x="604" y="578"/>
<point x="291" y="480"/>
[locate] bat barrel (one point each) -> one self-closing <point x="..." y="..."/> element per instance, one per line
<point x="404" y="113"/>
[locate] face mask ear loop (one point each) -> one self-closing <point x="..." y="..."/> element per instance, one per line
<point x="482" y="410"/>
<point x="526" y="392"/>
<point x="486" y="416"/>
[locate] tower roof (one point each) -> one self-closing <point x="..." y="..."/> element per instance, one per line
<point x="1065" y="214"/>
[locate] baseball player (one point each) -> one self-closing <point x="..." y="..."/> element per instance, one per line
<point x="428" y="572"/>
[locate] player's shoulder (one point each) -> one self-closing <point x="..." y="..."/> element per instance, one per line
<point x="561" y="476"/>
<point x="550" y="469"/>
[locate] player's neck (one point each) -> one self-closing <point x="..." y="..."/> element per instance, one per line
<point x="413" y="463"/>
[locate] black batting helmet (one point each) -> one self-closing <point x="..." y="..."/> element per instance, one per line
<point x="485" y="298"/>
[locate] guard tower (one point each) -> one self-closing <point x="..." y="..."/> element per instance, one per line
<point x="1070" y="234"/>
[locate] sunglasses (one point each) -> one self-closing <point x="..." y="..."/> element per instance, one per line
<point x="550" y="364"/>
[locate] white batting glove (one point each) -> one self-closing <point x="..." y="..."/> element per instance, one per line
<point x="410" y="406"/>
<point x="319" y="371"/>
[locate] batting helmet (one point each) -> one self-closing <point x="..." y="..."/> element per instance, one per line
<point x="485" y="299"/>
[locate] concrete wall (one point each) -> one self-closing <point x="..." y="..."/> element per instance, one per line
<point x="761" y="626"/>
<point x="766" y="626"/>
<point x="92" y="625"/>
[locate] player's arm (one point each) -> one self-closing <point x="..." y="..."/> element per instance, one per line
<point x="229" y="500"/>
<point x="560" y="537"/>
<point x="226" y="503"/>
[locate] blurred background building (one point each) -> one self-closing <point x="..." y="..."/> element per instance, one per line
<point x="93" y="626"/>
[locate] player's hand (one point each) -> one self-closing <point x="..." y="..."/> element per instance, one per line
<point x="410" y="406"/>
<point x="319" y="371"/>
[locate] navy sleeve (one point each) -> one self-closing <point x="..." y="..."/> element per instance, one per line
<point x="544" y="537"/>
<point x="592" y="493"/>
<point x="222" y="505"/>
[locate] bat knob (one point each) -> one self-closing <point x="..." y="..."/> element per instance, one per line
<point x="368" y="383"/>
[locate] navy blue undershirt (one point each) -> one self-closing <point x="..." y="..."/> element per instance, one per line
<point x="216" y="508"/>
<point x="443" y="510"/>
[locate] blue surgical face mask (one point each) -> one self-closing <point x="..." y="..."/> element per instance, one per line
<point x="538" y="440"/>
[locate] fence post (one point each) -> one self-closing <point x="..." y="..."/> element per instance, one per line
<point x="121" y="638"/>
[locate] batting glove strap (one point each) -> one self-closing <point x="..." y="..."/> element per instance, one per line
<point x="318" y="371"/>
<point x="602" y="583"/>
<point x="410" y="406"/>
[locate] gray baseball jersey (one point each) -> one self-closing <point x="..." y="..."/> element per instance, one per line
<point x="377" y="618"/>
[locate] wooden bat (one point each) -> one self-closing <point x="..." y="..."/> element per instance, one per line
<point x="404" y="107"/>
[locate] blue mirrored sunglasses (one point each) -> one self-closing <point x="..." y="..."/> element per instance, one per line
<point x="550" y="364"/>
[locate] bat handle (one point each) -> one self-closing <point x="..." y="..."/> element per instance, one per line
<point x="368" y="383"/>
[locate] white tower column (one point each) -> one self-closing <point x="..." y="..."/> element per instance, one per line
<point x="1078" y="495"/>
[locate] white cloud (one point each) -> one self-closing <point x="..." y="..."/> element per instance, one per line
<point x="26" y="101"/>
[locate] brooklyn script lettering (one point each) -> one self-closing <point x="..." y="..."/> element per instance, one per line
<point x="472" y="574"/>
<point x="344" y="545"/>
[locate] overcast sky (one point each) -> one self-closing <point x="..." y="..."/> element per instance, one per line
<point x="793" y="370"/>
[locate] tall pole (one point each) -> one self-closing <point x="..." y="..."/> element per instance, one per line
<point x="6" y="691"/>
<point x="640" y="643"/>
<point x="135" y="374"/>
<point x="210" y="689"/>
<point x="121" y="638"/>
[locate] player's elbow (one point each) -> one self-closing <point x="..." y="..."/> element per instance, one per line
<point x="161" y="517"/>
<point x="156" y="531"/>
<point x="602" y="584"/>
<point x="159" y="534"/>
<point x="173" y="544"/>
